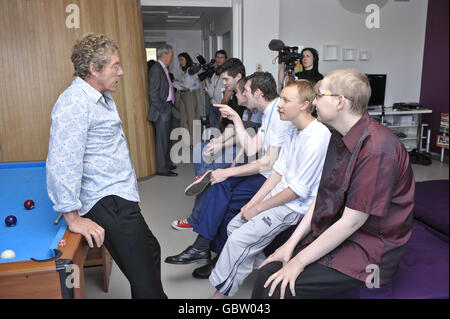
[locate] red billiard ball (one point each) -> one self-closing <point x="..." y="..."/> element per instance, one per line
<point x="10" y="220"/>
<point x="29" y="204"/>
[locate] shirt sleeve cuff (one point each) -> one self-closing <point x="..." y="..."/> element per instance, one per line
<point x="300" y="190"/>
<point x="67" y="208"/>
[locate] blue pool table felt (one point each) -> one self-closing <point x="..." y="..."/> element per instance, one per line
<point x="35" y="235"/>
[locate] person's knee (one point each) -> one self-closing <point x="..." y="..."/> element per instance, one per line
<point x="221" y="187"/>
<point x="259" y="292"/>
<point x="238" y="236"/>
<point x="198" y="148"/>
<point x="232" y="225"/>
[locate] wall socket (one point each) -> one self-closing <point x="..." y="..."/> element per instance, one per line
<point x="258" y="67"/>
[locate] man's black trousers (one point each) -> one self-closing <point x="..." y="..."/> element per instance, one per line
<point x="131" y="244"/>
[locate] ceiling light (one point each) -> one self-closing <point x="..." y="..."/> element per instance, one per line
<point x="183" y="17"/>
<point x="154" y="12"/>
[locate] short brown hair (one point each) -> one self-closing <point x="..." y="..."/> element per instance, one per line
<point x="95" y="48"/>
<point x="305" y="92"/>
<point x="353" y="84"/>
<point x="241" y="85"/>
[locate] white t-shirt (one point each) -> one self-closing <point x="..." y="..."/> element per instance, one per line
<point x="273" y="130"/>
<point x="300" y="164"/>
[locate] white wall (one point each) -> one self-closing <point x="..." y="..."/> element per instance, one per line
<point x="182" y="41"/>
<point x="396" y="48"/>
<point x="220" y="24"/>
<point x="261" y="24"/>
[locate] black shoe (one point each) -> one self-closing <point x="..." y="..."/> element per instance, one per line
<point x="204" y="271"/>
<point x="169" y="173"/>
<point x="189" y="256"/>
<point x="172" y="167"/>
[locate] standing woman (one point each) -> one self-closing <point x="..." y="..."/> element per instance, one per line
<point x="310" y="68"/>
<point x="187" y="85"/>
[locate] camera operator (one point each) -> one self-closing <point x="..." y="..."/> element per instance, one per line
<point x="310" y="68"/>
<point x="215" y="89"/>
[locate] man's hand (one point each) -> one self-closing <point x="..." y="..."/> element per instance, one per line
<point x="212" y="149"/>
<point x="283" y="254"/>
<point x="227" y="112"/>
<point x="218" y="176"/>
<point x="286" y="275"/>
<point x="248" y="212"/>
<point x="216" y="140"/>
<point x="86" y="227"/>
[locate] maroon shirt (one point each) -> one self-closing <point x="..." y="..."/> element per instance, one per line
<point x="367" y="170"/>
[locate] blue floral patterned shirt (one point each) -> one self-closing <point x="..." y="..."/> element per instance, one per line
<point x="88" y="155"/>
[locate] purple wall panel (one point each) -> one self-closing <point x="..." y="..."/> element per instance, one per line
<point x="434" y="88"/>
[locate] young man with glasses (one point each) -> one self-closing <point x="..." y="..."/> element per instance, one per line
<point x="362" y="215"/>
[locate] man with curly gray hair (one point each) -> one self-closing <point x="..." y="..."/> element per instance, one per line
<point x="90" y="177"/>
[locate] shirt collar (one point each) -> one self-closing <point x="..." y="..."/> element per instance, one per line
<point x="269" y="108"/>
<point x="108" y="98"/>
<point x="89" y="90"/>
<point x="162" y="64"/>
<point x="352" y="137"/>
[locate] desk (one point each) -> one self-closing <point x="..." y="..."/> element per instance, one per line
<point x="396" y="124"/>
<point x="36" y="236"/>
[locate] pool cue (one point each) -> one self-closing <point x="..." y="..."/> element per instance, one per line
<point x="57" y="219"/>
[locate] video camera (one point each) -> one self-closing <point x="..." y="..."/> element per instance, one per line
<point x="288" y="55"/>
<point x="208" y="68"/>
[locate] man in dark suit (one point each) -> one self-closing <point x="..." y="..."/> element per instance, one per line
<point x="162" y="100"/>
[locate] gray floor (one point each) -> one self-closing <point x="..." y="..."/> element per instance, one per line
<point x="163" y="200"/>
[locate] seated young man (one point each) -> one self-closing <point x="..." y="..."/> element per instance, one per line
<point x="233" y="187"/>
<point x="252" y="121"/>
<point x="362" y="215"/>
<point x="219" y="152"/>
<point x="222" y="151"/>
<point x="285" y="196"/>
<point x="233" y="71"/>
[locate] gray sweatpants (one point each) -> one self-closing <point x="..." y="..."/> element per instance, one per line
<point x="246" y="241"/>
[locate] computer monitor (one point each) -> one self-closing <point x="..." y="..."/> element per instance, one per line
<point x="378" y="87"/>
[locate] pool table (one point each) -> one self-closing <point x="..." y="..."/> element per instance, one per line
<point x="40" y="269"/>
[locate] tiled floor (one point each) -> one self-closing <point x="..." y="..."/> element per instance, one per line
<point x="163" y="200"/>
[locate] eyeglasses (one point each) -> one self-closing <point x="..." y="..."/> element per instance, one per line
<point x="116" y="67"/>
<point x="318" y="95"/>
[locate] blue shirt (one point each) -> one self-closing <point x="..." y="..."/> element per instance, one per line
<point x="88" y="155"/>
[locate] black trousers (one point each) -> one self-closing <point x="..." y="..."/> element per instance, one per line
<point x="131" y="244"/>
<point x="315" y="282"/>
<point x="163" y="126"/>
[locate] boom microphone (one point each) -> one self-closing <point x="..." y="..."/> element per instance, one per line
<point x="201" y="59"/>
<point x="276" y="45"/>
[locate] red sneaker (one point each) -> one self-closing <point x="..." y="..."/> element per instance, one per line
<point x="199" y="184"/>
<point x="181" y="225"/>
